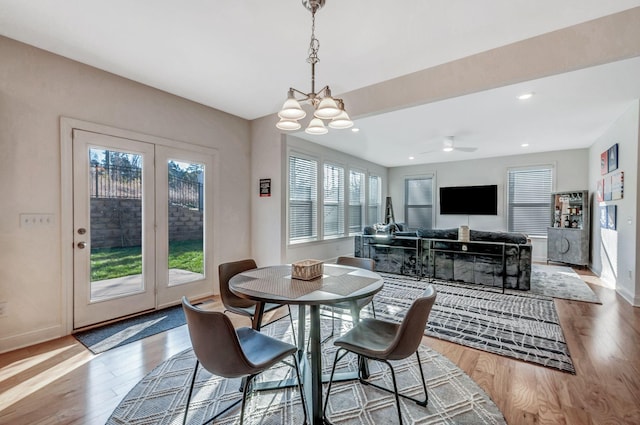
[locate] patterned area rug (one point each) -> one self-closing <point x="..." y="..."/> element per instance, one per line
<point x="454" y="398"/>
<point x="522" y="327"/>
<point x="560" y="282"/>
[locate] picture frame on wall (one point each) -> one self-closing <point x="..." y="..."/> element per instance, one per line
<point x="606" y="188"/>
<point x="617" y="185"/>
<point x="612" y="156"/>
<point x="603" y="216"/>
<point x="604" y="162"/>
<point x="612" y="212"/>
<point x="600" y="190"/>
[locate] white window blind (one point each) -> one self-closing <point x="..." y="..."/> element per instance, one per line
<point x="418" y="203"/>
<point x="375" y="200"/>
<point x="529" y="200"/>
<point x="302" y="199"/>
<point x="356" y="201"/>
<point x="333" y="201"/>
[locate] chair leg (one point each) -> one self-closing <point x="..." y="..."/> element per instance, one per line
<point x="333" y="370"/>
<point x="424" y="383"/>
<point x="244" y="397"/>
<point x="302" y="399"/>
<point x="395" y="387"/>
<point x="293" y="328"/>
<point x="395" y="391"/>
<point x="333" y="318"/>
<point x="373" y="309"/>
<point x="193" y="381"/>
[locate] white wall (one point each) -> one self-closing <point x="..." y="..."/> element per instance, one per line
<point x="614" y="253"/>
<point x="36" y="89"/>
<point x="571" y="169"/>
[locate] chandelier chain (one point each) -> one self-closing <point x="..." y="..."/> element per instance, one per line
<point x="314" y="45"/>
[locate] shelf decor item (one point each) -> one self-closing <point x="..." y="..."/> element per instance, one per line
<point x="307" y="269"/>
<point x="463" y="233"/>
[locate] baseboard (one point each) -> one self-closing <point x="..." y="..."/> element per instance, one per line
<point x="634" y="301"/>
<point x="26" y="339"/>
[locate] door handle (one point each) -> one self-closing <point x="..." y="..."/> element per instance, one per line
<point x="82" y="245"/>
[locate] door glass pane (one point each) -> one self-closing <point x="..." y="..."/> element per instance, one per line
<point x="186" y="224"/>
<point x="115" y="193"/>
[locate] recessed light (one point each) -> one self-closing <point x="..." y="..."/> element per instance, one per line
<point x="524" y="145"/>
<point x="525" y="96"/>
<point x="411" y="157"/>
<point x="355" y="129"/>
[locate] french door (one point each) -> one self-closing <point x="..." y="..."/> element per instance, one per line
<point x="139" y="225"/>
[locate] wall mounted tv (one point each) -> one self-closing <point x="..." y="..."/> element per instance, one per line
<point x="469" y="200"/>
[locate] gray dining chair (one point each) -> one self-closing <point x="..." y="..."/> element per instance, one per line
<point x="233" y="353"/>
<point x="362" y="263"/>
<point x="384" y="341"/>
<point x="242" y="306"/>
<point x="360" y="303"/>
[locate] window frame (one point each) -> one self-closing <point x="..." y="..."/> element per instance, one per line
<point x="320" y="161"/>
<point x="373" y="220"/>
<point x="408" y="207"/>
<point x="362" y="202"/>
<point x="544" y="207"/>
<point x="315" y="235"/>
<point x="340" y="203"/>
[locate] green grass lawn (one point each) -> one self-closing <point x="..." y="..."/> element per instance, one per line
<point x="109" y="263"/>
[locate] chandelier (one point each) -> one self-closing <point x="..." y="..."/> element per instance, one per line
<point x="325" y="106"/>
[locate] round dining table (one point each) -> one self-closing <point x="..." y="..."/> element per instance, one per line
<point x="338" y="284"/>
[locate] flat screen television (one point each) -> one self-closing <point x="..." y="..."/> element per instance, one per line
<point x="469" y="200"/>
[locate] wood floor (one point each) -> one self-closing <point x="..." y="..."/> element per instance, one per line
<point x="60" y="382"/>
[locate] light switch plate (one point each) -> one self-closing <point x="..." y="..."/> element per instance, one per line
<point x="39" y="220"/>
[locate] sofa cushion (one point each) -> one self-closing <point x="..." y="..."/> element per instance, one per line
<point x="438" y="233"/>
<point x="508" y="237"/>
<point x="407" y="233"/>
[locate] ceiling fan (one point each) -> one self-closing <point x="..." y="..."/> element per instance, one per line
<point x="449" y="146"/>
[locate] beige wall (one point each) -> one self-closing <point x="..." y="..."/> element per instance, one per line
<point x="38" y="88"/>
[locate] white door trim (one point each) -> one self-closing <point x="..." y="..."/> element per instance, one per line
<point x="66" y="205"/>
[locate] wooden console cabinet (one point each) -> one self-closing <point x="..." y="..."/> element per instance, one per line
<point x="568" y="231"/>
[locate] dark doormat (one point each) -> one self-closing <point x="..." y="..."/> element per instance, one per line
<point x="104" y="338"/>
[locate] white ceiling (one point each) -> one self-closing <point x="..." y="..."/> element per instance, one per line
<point x="241" y="56"/>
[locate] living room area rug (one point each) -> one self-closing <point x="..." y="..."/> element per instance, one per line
<point x="525" y="327"/>
<point x="560" y="282"/>
<point x="454" y="398"/>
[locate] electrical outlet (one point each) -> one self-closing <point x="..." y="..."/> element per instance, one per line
<point x="39" y="220"/>
<point x="3" y="309"/>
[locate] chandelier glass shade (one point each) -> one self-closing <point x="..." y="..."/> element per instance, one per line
<point x="325" y="106"/>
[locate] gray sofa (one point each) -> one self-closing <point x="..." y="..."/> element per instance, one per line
<point x="498" y="259"/>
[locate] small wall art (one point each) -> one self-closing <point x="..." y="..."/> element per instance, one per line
<point x="612" y="212"/>
<point x="607" y="188"/>
<point x="612" y="155"/>
<point x="265" y="188"/>
<point x="604" y="163"/>
<point x="617" y="185"/>
<point x="600" y="190"/>
<point x="603" y="216"/>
